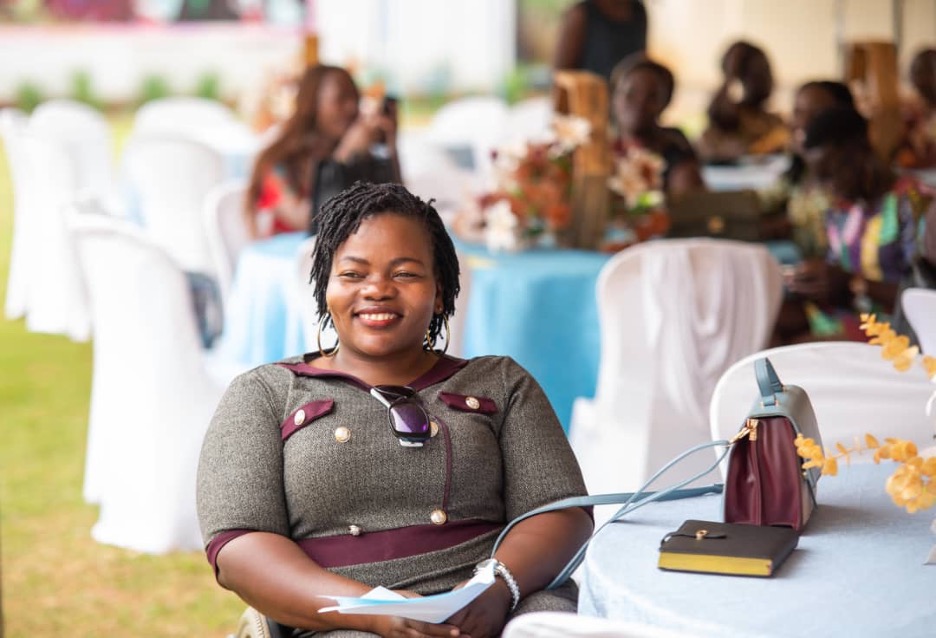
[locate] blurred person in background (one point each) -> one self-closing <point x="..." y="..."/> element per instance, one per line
<point x="919" y="148"/>
<point x="641" y="90"/>
<point x="876" y="226"/>
<point x="597" y="34"/>
<point x="739" y="123"/>
<point x="796" y="193"/>
<point x="329" y="129"/>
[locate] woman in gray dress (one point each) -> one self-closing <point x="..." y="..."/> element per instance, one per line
<point x="380" y="460"/>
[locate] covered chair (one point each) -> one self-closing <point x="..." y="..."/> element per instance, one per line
<point x="12" y="127"/>
<point x="170" y="178"/>
<point x="179" y="114"/>
<point x="470" y="128"/>
<point x="153" y="390"/>
<point x="853" y="391"/>
<point x="84" y="134"/>
<point x="55" y="300"/>
<point x="227" y="229"/>
<point x="919" y="306"/>
<point x="301" y="310"/>
<point x="674" y="315"/>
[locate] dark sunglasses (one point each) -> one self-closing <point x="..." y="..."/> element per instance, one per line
<point x="409" y="421"/>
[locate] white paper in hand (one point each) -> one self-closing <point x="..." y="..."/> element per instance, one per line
<point x="434" y="609"/>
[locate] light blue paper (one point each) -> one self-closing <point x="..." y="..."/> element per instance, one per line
<point x="435" y="608"/>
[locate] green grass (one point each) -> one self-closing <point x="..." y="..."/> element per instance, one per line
<point x="56" y="580"/>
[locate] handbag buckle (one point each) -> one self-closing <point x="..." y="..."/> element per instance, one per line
<point x="749" y="429"/>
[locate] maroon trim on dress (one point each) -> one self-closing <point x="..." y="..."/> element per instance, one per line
<point x="460" y="402"/>
<point x="443" y="369"/>
<point x="219" y="541"/>
<point x="310" y="412"/>
<point x="403" y="542"/>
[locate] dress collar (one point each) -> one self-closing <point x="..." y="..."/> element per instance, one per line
<point x="443" y="369"/>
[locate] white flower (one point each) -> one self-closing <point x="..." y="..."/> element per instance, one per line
<point x="571" y="131"/>
<point x="501" y="232"/>
<point x="637" y="174"/>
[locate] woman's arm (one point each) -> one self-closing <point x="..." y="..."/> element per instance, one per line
<point x="534" y="551"/>
<point x="571" y="39"/>
<point x="272" y="574"/>
<point x="279" y="203"/>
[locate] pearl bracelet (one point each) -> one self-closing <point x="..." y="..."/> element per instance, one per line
<point x="500" y="569"/>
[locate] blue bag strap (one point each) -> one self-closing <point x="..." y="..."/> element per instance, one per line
<point x="767" y="381"/>
<point x="630" y="501"/>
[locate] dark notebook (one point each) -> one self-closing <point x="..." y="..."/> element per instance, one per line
<point x="727" y="548"/>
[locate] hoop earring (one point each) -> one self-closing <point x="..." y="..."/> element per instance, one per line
<point x="318" y="339"/>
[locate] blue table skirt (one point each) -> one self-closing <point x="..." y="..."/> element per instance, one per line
<point x="539" y="308"/>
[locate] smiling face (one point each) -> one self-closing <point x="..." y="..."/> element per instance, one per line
<point x="639" y="99"/>
<point x="382" y="291"/>
<point x="809" y="102"/>
<point x="337" y="104"/>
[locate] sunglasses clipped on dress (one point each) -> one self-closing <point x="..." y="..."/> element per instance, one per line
<point x="409" y="421"/>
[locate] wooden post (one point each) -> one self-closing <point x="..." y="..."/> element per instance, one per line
<point x="310" y="29"/>
<point x="585" y="94"/>
<point x="873" y="65"/>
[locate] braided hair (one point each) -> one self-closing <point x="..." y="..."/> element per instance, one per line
<point x="341" y="216"/>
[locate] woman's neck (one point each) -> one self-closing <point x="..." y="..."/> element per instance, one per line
<point x="400" y="369"/>
<point x="648" y="138"/>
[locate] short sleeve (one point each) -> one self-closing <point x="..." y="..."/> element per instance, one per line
<point x="240" y="470"/>
<point x="539" y="465"/>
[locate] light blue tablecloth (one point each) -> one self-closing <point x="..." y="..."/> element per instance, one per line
<point x="260" y="326"/>
<point x="858" y="571"/>
<point x="539" y="308"/>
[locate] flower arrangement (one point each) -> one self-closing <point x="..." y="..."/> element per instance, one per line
<point x="637" y="201"/>
<point x="532" y="200"/>
<point x="913" y="484"/>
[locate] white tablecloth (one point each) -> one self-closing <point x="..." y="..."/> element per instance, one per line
<point x="858" y="571"/>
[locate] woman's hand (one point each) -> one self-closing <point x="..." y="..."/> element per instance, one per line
<point x="819" y="281"/>
<point x="485" y="615"/>
<point x="396" y="627"/>
<point x="371" y="127"/>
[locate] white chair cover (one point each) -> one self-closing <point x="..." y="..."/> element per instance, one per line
<point x="180" y="114"/>
<point x="152" y="395"/>
<point x="227" y="229"/>
<point x="85" y="136"/>
<point x="428" y="171"/>
<point x="529" y="119"/>
<point x="673" y="314"/>
<point x="170" y="178"/>
<point x="919" y="306"/>
<point x="12" y="128"/>
<point x="56" y="302"/>
<point x="853" y="391"/>
<point x="552" y="624"/>
<point x="301" y="309"/>
<point x="476" y="124"/>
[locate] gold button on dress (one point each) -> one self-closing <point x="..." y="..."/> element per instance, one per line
<point x="438" y="517"/>
<point x="299" y="418"/>
<point x="472" y="403"/>
<point x="342" y="434"/>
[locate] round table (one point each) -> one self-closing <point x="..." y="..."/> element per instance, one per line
<point x="857" y="571"/>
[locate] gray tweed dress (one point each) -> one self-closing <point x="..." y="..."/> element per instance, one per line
<point x="309" y="454"/>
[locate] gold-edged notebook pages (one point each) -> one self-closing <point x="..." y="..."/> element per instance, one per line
<point x="726" y="548"/>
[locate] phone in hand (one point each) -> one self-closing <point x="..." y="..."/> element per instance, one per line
<point x="389" y="106"/>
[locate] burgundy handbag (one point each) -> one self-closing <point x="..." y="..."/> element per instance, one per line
<point x="766" y="483"/>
